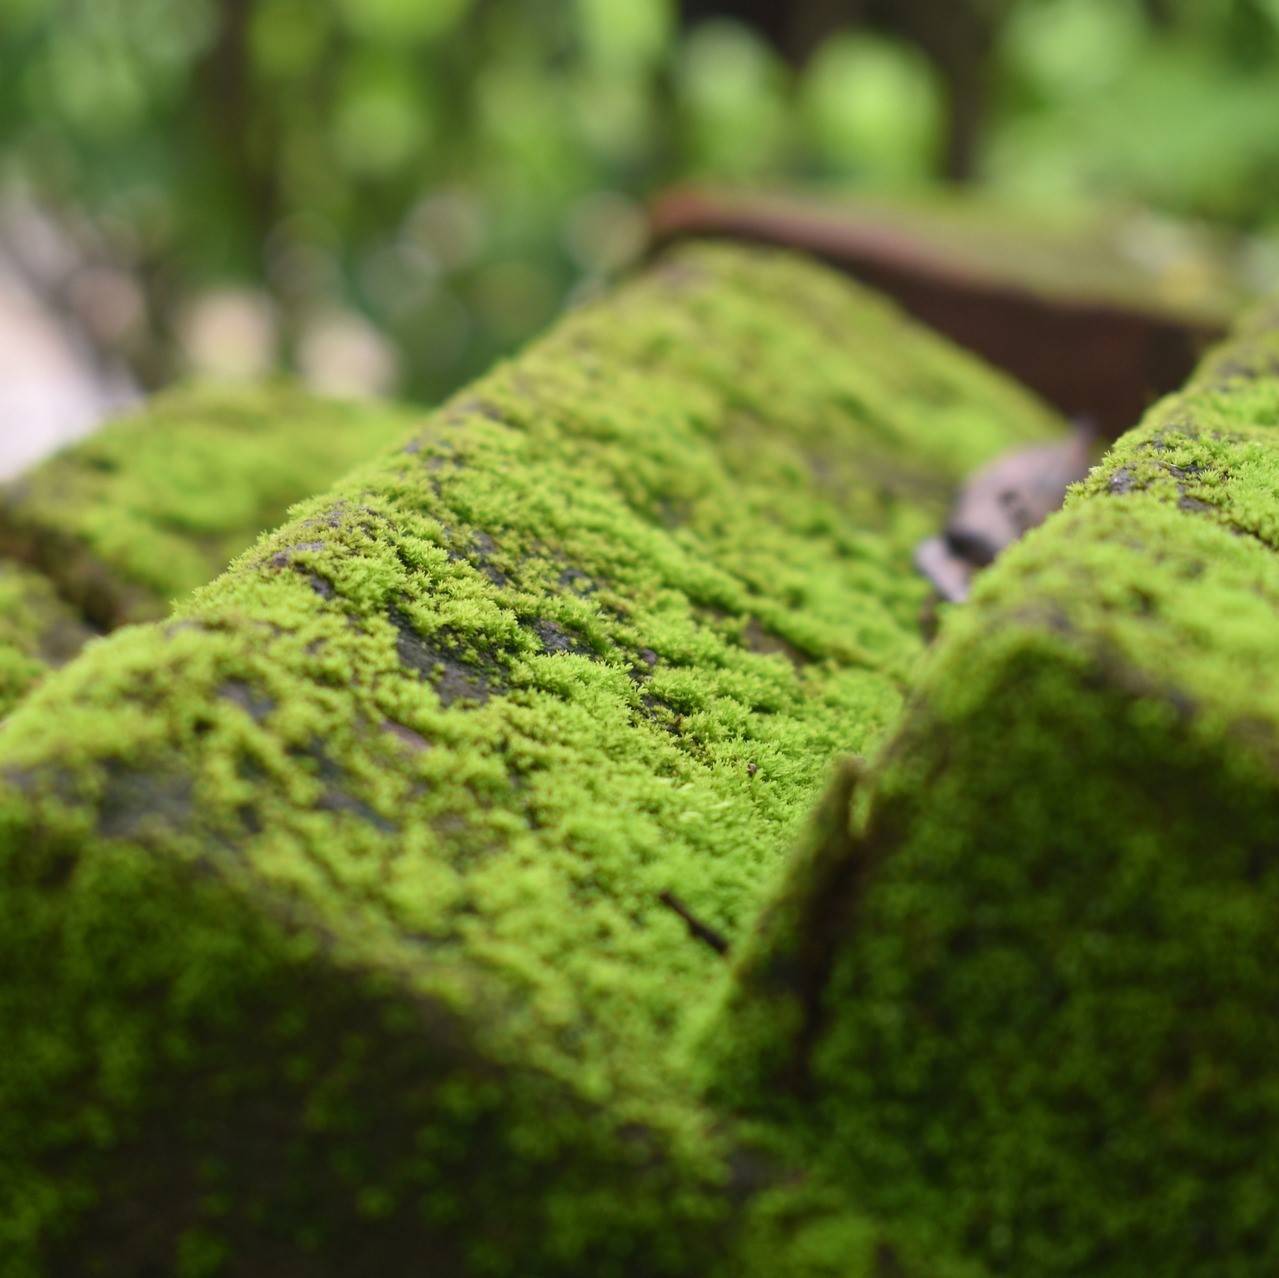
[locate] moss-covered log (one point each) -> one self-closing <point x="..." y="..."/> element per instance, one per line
<point x="353" y="920"/>
<point x="158" y="503"/>
<point x="1061" y="301"/>
<point x="1026" y="987"/>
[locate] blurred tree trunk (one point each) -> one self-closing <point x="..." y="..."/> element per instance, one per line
<point x="235" y="120"/>
<point x="957" y="36"/>
<point x="961" y="45"/>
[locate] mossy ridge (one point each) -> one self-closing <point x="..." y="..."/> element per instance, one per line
<point x="1035" y="1005"/>
<point x="37" y="632"/>
<point x="590" y="638"/>
<point x="1210" y="449"/>
<point x="159" y="502"/>
<point x="247" y="1130"/>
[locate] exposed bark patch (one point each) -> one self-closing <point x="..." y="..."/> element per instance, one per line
<point x="671" y="512"/>
<point x="478" y="552"/>
<point x="578" y="582"/>
<point x="285" y="558"/>
<point x="642" y="666"/>
<point x="249" y="818"/>
<point x="337" y="796"/>
<point x="712" y="614"/>
<point x="1243" y="369"/>
<point x="555" y="638"/>
<point x="341" y="801"/>
<point x="750" y="1172"/>
<point x="453" y="675"/>
<point x="696" y="928"/>
<point x="480" y="556"/>
<point x="758" y="638"/>
<point x="464" y="409"/>
<point x="137" y="799"/>
<point x="64" y="639"/>
<point x="257" y="705"/>
<point x="1194" y="504"/>
<point x="887" y="1264"/>
<point x="660" y="711"/>
<point x="446" y="456"/>
<point x="414" y="740"/>
<point x="1122" y="481"/>
<point x="1148" y="474"/>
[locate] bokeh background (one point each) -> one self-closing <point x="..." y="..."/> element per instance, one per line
<point x="384" y="195"/>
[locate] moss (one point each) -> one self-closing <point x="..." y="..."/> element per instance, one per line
<point x="37" y="631"/>
<point x="1080" y="253"/>
<point x="158" y="503"/>
<point x="1056" y="297"/>
<point x="1024" y="988"/>
<point x="370" y="848"/>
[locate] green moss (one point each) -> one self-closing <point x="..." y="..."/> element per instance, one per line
<point x="371" y="850"/>
<point x="1025" y="990"/>
<point x="37" y="631"/>
<point x="156" y="504"/>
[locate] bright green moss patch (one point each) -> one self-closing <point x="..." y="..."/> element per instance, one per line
<point x="385" y="850"/>
<point x="1026" y="991"/>
<point x="37" y="632"/>
<point x="156" y="504"/>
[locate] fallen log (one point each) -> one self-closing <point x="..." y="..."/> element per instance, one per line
<point x="159" y="502"/>
<point x="352" y="920"/>
<point x="1021" y="980"/>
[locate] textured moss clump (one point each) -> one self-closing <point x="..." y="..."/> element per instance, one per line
<point x="157" y="504"/>
<point x="1025" y="988"/>
<point x="346" y="916"/>
<point x="37" y="631"/>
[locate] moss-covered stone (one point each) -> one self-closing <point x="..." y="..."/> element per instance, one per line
<point x="1024" y="988"/>
<point x="37" y="631"/>
<point x="158" y="503"/>
<point x="352" y="919"/>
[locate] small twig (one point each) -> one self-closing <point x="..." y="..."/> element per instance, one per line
<point x="702" y="931"/>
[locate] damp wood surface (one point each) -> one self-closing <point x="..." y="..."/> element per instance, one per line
<point x="112" y="529"/>
<point x="1019" y="980"/>
<point x="336" y="909"/>
<point x="159" y="501"/>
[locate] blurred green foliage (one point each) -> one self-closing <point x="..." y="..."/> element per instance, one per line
<point x="1180" y="114"/>
<point x="453" y="169"/>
